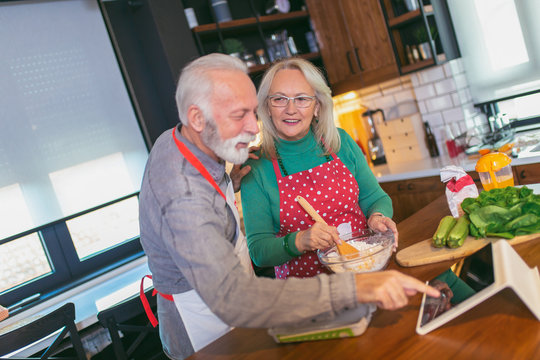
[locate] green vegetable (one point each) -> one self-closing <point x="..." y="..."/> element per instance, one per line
<point x="505" y="212"/>
<point x="459" y="232"/>
<point x="445" y="225"/>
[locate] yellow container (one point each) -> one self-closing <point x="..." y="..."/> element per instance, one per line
<point x="495" y="171"/>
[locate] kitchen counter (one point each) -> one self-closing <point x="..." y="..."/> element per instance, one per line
<point x="432" y="166"/>
<point x="500" y="328"/>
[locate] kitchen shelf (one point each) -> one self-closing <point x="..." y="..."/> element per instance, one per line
<point x="240" y="23"/>
<point x="417" y="66"/>
<point x="249" y="32"/>
<point x="409" y="17"/>
<point x="420" y="38"/>
<point x="308" y="56"/>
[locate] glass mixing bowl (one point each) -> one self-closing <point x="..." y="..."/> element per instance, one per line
<point x="374" y="252"/>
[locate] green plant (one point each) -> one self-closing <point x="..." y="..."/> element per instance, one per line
<point x="231" y="46"/>
<point x="420" y="34"/>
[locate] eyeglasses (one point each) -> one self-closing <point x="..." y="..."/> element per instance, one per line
<point x="302" y="101"/>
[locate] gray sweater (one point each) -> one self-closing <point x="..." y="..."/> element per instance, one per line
<point x="187" y="232"/>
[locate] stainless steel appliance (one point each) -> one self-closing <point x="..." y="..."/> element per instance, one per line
<point x="375" y="147"/>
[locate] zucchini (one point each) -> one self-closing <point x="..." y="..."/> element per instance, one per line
<point x="459" y="232"/>
<point x="445" y="225"/>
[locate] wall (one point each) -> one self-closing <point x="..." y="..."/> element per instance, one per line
<point x="441" y="95"/>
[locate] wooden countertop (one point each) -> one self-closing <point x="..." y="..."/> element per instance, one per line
<point x="500" y="328"/>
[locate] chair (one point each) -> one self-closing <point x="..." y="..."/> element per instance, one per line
<point x="61" y="318"/>
<point x="117" y="319"/>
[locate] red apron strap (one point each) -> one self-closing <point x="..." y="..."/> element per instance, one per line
<point x="146" y="305"/>
<point x="196" y="163"/>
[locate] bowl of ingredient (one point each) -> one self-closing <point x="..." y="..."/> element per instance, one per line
<point x="374" y="252"/>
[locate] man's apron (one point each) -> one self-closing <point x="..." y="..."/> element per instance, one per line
<point x="201" y="324"/>
<point x="333" y="192"/>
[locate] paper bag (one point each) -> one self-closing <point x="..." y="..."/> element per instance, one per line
<point x="459" y="186"/>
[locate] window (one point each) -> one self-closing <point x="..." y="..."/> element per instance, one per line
<point x="521" y="108"/>
<point x="71" y="151"/>
<point x="500" y="46"/>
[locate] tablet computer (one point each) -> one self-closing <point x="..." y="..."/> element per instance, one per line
<point x="474" y="279"/>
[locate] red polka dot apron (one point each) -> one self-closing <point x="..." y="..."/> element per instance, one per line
<point x="333" y="192"/>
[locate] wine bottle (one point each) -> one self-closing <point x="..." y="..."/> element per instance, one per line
<point x="430" y="141"/>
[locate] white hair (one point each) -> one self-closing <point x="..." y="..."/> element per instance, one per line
<point x="324" y="128"/>
<point x="195" y="84"/>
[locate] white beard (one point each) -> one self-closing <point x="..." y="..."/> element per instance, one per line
<point x="226" y="149"/>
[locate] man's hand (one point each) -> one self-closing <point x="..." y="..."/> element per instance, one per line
<point x="239" y="171"/>
<point x="381" y="223"/>
<point x="390" y="289"/>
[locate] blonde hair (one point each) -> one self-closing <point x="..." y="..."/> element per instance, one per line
<point x="195" y="84"/>
<point x="324" y="129"/>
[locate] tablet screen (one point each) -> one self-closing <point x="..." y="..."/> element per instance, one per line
<point x="464" y="279"/>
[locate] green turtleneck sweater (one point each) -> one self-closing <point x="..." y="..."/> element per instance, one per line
<point x="260" y="195"/>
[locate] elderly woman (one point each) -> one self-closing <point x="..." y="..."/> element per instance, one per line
<point x="303" y="153"/>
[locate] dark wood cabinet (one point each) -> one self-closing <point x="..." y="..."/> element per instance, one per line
<point x="409" y="196"/>
<point x="421" y="33"/>
<point x="250" y="29"/>
<point x="354" y="43"/>
<point x="527" y="174"/>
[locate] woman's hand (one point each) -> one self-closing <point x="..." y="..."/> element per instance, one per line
<point x="381" y="223"/>
<point x="389" y="289"/>
<point x="238" y="171"/>
<point x="319" y="236"/>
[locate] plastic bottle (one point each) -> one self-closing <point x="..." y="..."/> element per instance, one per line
<point x="451" y="143"/>
<point x="430" y="141"/>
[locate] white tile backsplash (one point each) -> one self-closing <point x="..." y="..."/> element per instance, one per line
<point x="422" y="107"/>
<point x="384" y="102"/>
<point x="400" y="110"/>
<point x="434" y="119"/>
<point x="440" y="94"/>
<point x="465" y="95"/>
<point x="457" y="66"/>
<point x="431" y="75"/>
<point x="404" y="95"/>
<point x="452" y="115"/>
<point x="445" y="86"/>
<point x="425" y="92"/>
<point x="392" y="90"/>
<point x="455" y="99"/>
<point x="469" y="110"/>
<point x="439" y="103"/>
<point x="461" y="81"/>
<point x="415" y="81"/>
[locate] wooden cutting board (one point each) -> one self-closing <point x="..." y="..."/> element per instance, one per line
<point x="423" y="252"/>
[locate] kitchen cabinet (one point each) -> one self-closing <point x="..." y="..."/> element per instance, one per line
<point x="249" y="31"/>
<point x="409" y="196"/>
<point x="421" y="33"/>
<point x="354" y="43"/>
<point x="526" y="174"/>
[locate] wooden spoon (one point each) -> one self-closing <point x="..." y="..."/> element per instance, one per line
<point x="343" y="248"/>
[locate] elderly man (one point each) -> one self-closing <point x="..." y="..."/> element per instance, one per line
<point x="190" y="230"/>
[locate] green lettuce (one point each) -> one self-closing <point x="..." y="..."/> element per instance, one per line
<point x="505" y="212"/>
